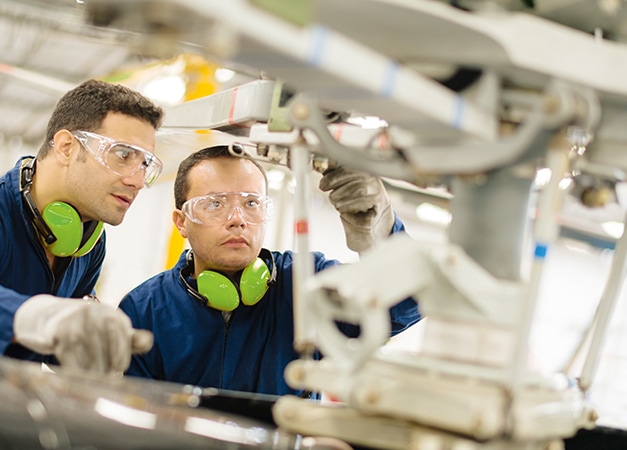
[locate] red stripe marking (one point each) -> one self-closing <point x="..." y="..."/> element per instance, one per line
<point x="232" y="110"/>
<point x="338" y="131"/>
<point x="301" y="227"/>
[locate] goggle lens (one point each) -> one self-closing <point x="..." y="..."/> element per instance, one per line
<point x="218" y="208"/>
<point x="120" y="158"/>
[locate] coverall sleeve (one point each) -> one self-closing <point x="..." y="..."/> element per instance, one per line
<point x="10" y="301"/>
<point x="140" y="365"/>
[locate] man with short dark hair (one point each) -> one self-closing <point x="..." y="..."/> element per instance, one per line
<point x="97" y="155"/>
<point x="223" y="316"/>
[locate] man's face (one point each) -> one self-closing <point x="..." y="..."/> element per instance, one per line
<point x="233" y="244"/>
<point x="94" y="190"/>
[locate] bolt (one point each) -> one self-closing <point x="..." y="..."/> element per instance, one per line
<point x="300" y="111"/>
<point x="595" y="197"/>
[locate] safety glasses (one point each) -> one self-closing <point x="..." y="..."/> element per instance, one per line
<point x="120" y="158"/>
<point x="220" y="207"/>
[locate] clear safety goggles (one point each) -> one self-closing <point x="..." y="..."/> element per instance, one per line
<point x="219" y="207"/>
<point x="120" y="158"/>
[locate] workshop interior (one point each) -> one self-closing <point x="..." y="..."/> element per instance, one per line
<point x="499" y="128"/>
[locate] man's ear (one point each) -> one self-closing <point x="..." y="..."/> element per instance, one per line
<point x="178" y="217"/>
<point x="62" y="144"/>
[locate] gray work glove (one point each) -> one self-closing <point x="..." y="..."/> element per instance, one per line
<point x="363" y="204"/>
<point x="81" y="334"/>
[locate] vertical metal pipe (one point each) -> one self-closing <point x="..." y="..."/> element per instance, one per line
<point x="604" y="311"/>
<point x="546" y="230"/>
<point x="303" y="260"/>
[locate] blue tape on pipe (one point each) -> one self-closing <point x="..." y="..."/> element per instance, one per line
<point x="541" y="250"/>
<point x="320" y="35"/>
<point x="387" y="87"/>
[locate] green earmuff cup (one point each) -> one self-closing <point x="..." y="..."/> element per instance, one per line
<point x="219" y="290"/>
<point x="254" y="282"/>
<point x="222" y="293"/>
<point x="67" y="227"/>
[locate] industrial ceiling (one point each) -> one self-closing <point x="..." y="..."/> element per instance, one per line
<point x="50" y="46"/>
<point x="47" y="48"/>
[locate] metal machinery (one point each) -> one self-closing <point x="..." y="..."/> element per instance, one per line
<point x="476" y="97"/>
<point x="68" y="410"/>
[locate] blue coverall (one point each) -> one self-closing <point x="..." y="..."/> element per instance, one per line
<point x="24" y="268"/>
<point x="194" y="345"/>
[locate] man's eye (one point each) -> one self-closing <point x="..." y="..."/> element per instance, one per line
<point x="124" y="153"/>
<point x="214" y="204"/>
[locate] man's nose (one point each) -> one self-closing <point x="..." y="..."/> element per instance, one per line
<point x="236" y="215"/>
<point x="136" y="179"/>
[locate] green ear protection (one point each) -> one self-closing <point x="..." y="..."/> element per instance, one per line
<point x="59" y="225"/>
<point x="72" y="239"/>
<point x="221" y="292"/>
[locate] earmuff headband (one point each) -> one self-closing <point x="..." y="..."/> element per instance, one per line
<point x="26" y="180"/>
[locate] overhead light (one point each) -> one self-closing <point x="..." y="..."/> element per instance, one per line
<point x="275" y="179"/>
<point x="166" y="89"/>
<point x="223" y="75"/>
<point x="430" y="213"/>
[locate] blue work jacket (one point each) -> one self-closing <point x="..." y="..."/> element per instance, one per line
<point x="24" y="268"/>
<point x="195" y="345"/>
